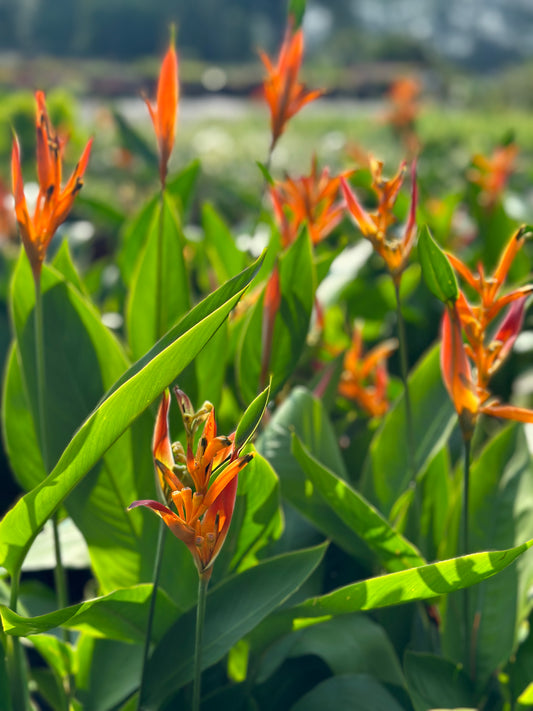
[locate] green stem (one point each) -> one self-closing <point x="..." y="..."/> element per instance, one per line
<point x="159" y="318"/>
<point x="203" y="582"/>
<point x="15" y="658"/>
<point x="41" y="378"/>
<point x="465" y="546"/>
<point x="157" y="572"/>
<point x="404" y="372"/>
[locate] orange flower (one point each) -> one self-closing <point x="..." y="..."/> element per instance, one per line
<point x="364" y="378"/>
<point x="283" y="92"/>
<point x="53" y="204"/>
<point x="310" y="199"/>
<point x="403" y="95"/>
<point x="203" y="508"/>
<point x="468" y="398"/>
<point x="376" y="226"/>
<point x="492" y="174"/>
<point x="488" y="353"/>
<point x="164" y="113"/>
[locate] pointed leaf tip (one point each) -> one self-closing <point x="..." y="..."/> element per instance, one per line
<point x="436" y="269"/>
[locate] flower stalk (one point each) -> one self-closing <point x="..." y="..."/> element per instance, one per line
<point x="203" y="582"/>
<point x="404" y="367"/>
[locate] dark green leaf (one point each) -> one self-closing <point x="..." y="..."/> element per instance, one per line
<point x="386" y="473"/>
<point x="234" y="608"/>
<point x="297" y="11"/>
<point x="393" y="550"/>
<point x="121" y="615"/>
<point x="435" y="682"/>
<point x="357" y="692"/>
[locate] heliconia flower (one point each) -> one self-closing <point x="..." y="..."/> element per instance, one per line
<point x="375" y="226"/>
<point x="53" y="204"/>
<point x="488" y="352"/>
<point x="492" y="173"/>
<point x="365" y="378"/>
<point x="404" y="110"/>
<point x="165" y="111"/>
<point x="283" y="92"/>
<point x="469" y="398"/>
<point x="203" y="504"/>
<point x="310" y="199"/>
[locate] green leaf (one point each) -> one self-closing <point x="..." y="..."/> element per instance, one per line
<point x="159" y="292"/>
<point x="351" y="644"/>
<point x="296" y="274"/>
<point x="436" y="269"/>
<point x="304" y="415"/>
<point x="393" y="550"/>
<point x="130" y="396"/>
<point x="224" y="255"/>
<point x="500" y="514"/>
<point x="134" y="236"/>
<point x="437" y="682"/>
<point x="350" y="692"/>
<point x="386" y="473"/>
<point x="181" y="187"/>
<point x="57" y="654"/>
<point x="297" y="11"/>
<point x="526" y="697"/>
<point x="101" y="682"/>
<point x="251" y="419"/>
<point x="81" y="360"/>
<point x="234" y="608"/>
<point x="256" y="519"/>
<point x="121" y="615"/>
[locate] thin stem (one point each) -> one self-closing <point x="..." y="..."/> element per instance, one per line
<point x="60" y="578"/>
<point x="203" y="582"/>
<point x="41" y="379"/>
<point x="465" y="547"/>
<point x="159" y="319"/>
<point x="15" y="658"/>
<point x="404" y="372"/>
<point x="157" y="572"/>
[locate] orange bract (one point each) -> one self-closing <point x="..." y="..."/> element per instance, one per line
<point x="164" y="113"/>
<point x="204" y="507"/>
<point x="53" y="204"/>
<point x="375" y="226"/>
<point x="492" y="174"/>
<point x="365" y="378"/>
<point x="283" y="92"/>
<point x="309" y="199"/>
<point x="488" y="352"/>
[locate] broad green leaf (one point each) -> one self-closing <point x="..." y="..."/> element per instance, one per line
<point x="436" y="269"/>
<point x="351" y="644"/>
<point x="126" y="401"/>
<point x="57" y="654"/>
<point x="251" y="419"/>
<point x="437" y="682"/>
<point x="234" y="608"/>
<point x="423" y="583"/>
<point x="121" y="615"/>
<point x="387" y="473"/>
<point x="194" y="316"/>
<point x="256" y="519"/>
<point x="291" y="323"/>
<point x="159" y="291"/>
<point x="393" y="550"/>
<point x="108" y="673"/>
<point x="304" y="415"/>
<point x="134" y="234"/>
<point x="349" y="692"/>
<point x="82" y="359"/>
<point x="500" y="514"/>
<point x="225" y="257"/>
